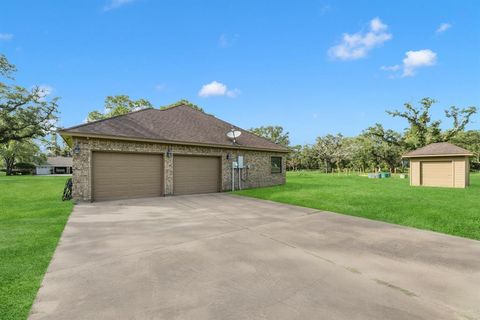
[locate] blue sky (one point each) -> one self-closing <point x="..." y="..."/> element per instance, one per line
<point x="314" y="67"/>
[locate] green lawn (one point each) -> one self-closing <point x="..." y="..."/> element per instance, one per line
<point x="32" y="218"/>
<point x="452" y="211"/>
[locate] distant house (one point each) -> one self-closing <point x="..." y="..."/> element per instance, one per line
<point x="55" y="165"/>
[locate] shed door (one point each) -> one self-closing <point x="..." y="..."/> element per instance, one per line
<point x="192" y="174"/>
<point x="126" y="175"/>
<point x="437" y="173"/>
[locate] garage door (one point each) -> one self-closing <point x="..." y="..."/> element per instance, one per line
<point x="437" y="174"/>
<point x="196" y="174"/>
<point x="126" y="175"/>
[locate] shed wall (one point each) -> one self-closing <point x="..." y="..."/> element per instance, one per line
<point x="456" y="175"/>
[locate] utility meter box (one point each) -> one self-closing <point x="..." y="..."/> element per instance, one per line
<point x="240" y="162"/>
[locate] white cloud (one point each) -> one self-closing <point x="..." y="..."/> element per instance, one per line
<point x="443" y="27"/>
<point x="160" y="87"/>
<point x="391" y="68"/>
<point x="357" y="45"/>
<point x="216" y="88"/>
<point x="226" y="41"/>
<point x="412" y="61"/>
<point x="6" y="36"/>
<point x="114" y="4"/>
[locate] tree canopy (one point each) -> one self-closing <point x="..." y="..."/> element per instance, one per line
<point x="273" y="133"/>
<point x="378" y="148"/>
<point x="184" y="102"/>
<point x="26" y="151"/>
<point x="118" y="105"/>
<point x="24" y="113"/>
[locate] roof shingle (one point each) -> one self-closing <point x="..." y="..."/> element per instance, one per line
<point x="438" y="149"/>
<point x="180" y="124"/>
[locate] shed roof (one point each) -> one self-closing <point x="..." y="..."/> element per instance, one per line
<point x="438" y="149"/>
<point x="58" y="162"/>
<point x="180" y="124"/>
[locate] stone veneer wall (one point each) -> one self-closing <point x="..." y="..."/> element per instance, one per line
<point x="258" y="175"/>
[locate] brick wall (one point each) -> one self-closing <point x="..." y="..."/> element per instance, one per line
<point x="258" y="175"/>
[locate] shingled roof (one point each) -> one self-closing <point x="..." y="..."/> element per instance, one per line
<point x="438" y="149"/>
<point x="177" y="125"/>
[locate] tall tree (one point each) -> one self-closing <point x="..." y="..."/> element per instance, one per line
<point x="423" y="130"/>
<point x="6" y="68"/>
<point x="24" y="113"/>
<point x="273" y="133"/>
<point x="384" y="146"/>
<point x="330" y="150"/>
<point x="470" y="140"/>
<point x="57" y="149"/>
<point x="118" y="105"/>
<point x="24" y="151"/>
<point x="183" y="102"/>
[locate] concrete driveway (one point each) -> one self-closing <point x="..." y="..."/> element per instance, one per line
<point x="221" y="256"/>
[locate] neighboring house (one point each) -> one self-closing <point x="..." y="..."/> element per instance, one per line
<point x="440" y="165"/>
<point x="55" y="165"/>
<point x="174" y="151"/>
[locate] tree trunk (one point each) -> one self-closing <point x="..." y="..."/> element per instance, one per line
<point x="9" y="162"/>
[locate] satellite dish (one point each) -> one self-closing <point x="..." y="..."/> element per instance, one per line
<point x="233" y="135"/>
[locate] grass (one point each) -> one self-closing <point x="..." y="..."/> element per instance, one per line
<point x="446" y="210"/>
<point x="32" y="218"/>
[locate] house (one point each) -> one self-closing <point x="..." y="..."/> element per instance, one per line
<point x="440" y="165"/>
<point x="175" y="151"/>
<point x="55" y="165"/>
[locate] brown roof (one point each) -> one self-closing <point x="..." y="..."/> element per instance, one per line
<point x="180" y="124"/>
<point x="59" y="161"/>
<point x="438" y="149"/>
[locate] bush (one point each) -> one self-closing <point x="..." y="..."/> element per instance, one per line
<point x="25" y="165"/>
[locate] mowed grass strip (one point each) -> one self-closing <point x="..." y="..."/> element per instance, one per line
<point x="446" y="210"/>
<point x="32" y="218"/>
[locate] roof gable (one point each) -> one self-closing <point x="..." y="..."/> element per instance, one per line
<point x="180" y="124"/>
<point x="438" y="149"/>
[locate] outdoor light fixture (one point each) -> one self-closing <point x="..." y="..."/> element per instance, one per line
<point x="76" y="149"/>
<point x="169" y="152"/>
<point x="229" y="156"/>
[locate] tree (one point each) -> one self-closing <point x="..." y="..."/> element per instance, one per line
<point x="56" y="149"/>
<point x="273" y="133"/>
<point x="24" y="114"/>
<point x="183" y="102"/>
<point x="6" y="68"/>
<point x="423" y="130"/>
<point x="470" y="140"/>
<point x="385" y="147"/>
<point x="330" y="150"/>
<point x="15" y="151"/>
<point x="118" y="105"/>
<point x="294" y="158"/>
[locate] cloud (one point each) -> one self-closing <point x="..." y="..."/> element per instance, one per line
<point x="216" y="88"/>
<point x="114" y="4"/>
<point x="226" y="41"/>
<point x="418" y="59"/>
<point x="391" y="68"/>
<point x="6" y="36"/>
<point x="357" y="45"/>
<point x="443" y="27"/>
<point x="412" y="61"/>
<point x="160" y="87"/>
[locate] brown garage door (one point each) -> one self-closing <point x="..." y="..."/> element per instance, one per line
<point x="193" y="174"/>
<point x="437" y="173"/>
<point x="126" y="175"/>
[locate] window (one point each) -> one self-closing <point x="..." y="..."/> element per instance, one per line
<point x="276" y="164"/>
